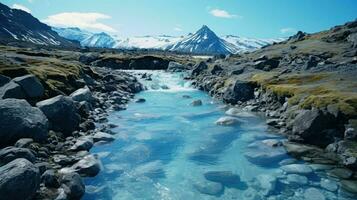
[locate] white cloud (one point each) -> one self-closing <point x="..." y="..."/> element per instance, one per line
<point x="222" y="13"/>
<point x="287" y="30"/>
<point x="21" y="7"/>
<point x="81" y="20"/>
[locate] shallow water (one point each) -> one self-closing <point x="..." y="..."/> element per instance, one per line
<point x="165" y="146"/>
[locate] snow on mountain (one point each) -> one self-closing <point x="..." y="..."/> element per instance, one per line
<point x="204" y="41"/>
<point x="102" y="40"/>
<point x="73" y="33"/>
<point x="249" y="44"/>
<point x="147" y="42"/>
<point x="18" y="26"/>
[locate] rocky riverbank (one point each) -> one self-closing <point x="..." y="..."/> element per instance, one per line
<point x="53" y="110"/>
<point x="306" y="88"/>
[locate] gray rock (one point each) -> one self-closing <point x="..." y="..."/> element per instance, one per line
<point x="227" y="121"/>
<point x="50" y="179"/>
<point x="56" y="108"/>
<point x="313" y="127"/>
<point x="196" y="103"/>
<point x="297" y="169"/>
<point x="11" y="90"/>
<point x="227" y="178"/>
<point x="9" y="154"/>
<point x="101" y="136"/>
<point x="313" y="194"/>
<point x="267" y="183"/>
<point x="30" y="85"/>
<point x="199" y="68"/>
<point x="141" y="100"/>
<point x="73" y="185"/>
<point x="328" y="185"/>
<point x="82" y="94"/>
<point x="239" y="91"/>
<point x="20" y="120"/>
<point x="342" y="173"/>
<point x="175" y="67"/>
<point x="216" y="69"/>
<point x="4" y="80"/>
<point x="23" y="142"/>
<point x="87" y="166"/>
<point x="210" y="188"/>
<point x="272" y="142"/>
<point x="295" y="179"/>
<point x="264" y="157"/>
<point x="19" y="180"/>
<point x="82" y="143"/>
<point x="349" y="185"/>
<point x="299" y="150"/>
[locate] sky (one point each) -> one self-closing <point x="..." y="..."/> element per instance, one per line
<point x="247" y="18"/>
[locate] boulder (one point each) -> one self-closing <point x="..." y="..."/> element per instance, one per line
<point x="73" y="185"/>
<point x="227" y="121"/>
<point x="196" y="103"/>
<point x="216" y="70"/>
<point x="239" y="91"/>
<point x="20" y="120"/>
<point x="267" y="64"/>
<point x="30" y="85"/>
<point x="19" y="180"/>
<point x="226" y="178"/>
<point x="297" y="169"/>
<point x="82" y="94"/>
<point x="61" y="112"/>
<point x="314" y="127"/>
<point x="101" y="136"/>
<point x="199" y="68"/>
<point x="11" y="90"/>
<point x="175" y="67"/>
<point x="4" y="80"/>
<point x="50" y="179"/>
<point x="88" y="166"/>
<point x="82" y="143"/>
<point x="23" y="142"/>
<point x="210" y="188"/>
<point x="9" y="154"/>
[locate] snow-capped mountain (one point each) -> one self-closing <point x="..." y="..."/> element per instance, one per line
<point x="18" y="26"/>
<point x="102" y="40"/>
<point x="204" y="41"/>
<point x="249" y="44"/>
<point x="147" y="42"/>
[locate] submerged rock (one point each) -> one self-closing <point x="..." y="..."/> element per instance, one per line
<point x="141" y="100"/>
<point x="101" y="136"/>
<point x="20" y="120"/>
<point x="227" y="178"/>
<point x="19" y="180"/>
<point x="210" y="188"/>
<point x="267" y="183"/>
<point x="227" y="121"/>
<point x="313" y="194"/>
<point x="61" y="112"/>
<point x="349" y="185"/>
<point x="295" y="179"/>
<point x="196" y="103"/>
<point x="297" y="169"/>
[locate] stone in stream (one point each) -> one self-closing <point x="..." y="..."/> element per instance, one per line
<point x="101" y="136"/>
<point x="238" y="113"/>
<point x="264" y="157"/>
<point x="297" y="180"/>
<point x="88" y="166"/>
<point x="210" y="188"/>
<point x="196" y="103"/>
<point x="186" y="96"/>
<point x="9" y="154"/>
<point x="342" y="173"/>
<point x="328" y="185"/>
<point x="61" y="112"/>
<point x="313" y="194"/>
<point x="152" y="170"/>
<point x="30" y="85"/>
<point x="297" y="169"/>
<point x="141" y="100"/>
<point x="267" y="183"/>
<point x="227" y="121"/>
<point x="73" y="185"/>
<point x="20" y="120"/>
<point x="19" y="180"/>
<point x="349" y="186"/>
<point x="82" y="143"/>
<point x="227" y="178"/>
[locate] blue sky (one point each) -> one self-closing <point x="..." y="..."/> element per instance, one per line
<point x="249" y="18"/>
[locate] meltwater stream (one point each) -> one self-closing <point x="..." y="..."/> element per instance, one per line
<point x="168" y="149"/>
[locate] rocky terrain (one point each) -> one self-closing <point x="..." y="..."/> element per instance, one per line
<point x="305" y="86"/>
